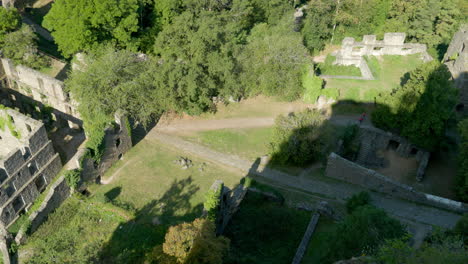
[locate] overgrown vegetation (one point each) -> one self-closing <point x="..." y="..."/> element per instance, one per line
<point x="421" y="107"/>
<point x="356" y="201"/>
<point x="300" y="138"/>
<point x="72" y="177"/>
<point x="6" y="121"/>
<point x="211" y="203"/>
<point x="462" y="176"/>
<point x="314" y="87"/>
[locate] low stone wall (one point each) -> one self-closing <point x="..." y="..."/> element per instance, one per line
<point x="58" y="193"/>
<point x="345" y="170"/>
<point x="306" y="239"/>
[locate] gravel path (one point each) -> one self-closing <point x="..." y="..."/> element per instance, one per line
<point x="331" y="189"/>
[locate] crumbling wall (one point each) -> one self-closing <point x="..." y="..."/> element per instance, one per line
<point x="27" y="169"/>
<point x="117" y="141"/>
<point x="41" y="88"/>
<point x="456" y="60"/>
<point x="371" y="140"/>
<point x="348" y="171"/>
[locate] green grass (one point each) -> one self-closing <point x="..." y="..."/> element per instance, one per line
<point x="148" y="194"/>
<point x="327" y="68"/>
<point x="315" y="248"/>
<point x="247" y="143"/>
<point x="388" y="71"/>
<point x="263" y="231"/>
<point x="313" y="86"/>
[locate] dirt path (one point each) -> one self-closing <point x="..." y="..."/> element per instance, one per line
<point x="186" y="125"/>
<point x="114" y="175"/>
<point x="333" y="190"/>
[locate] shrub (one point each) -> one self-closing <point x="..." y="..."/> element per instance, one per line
<point x="211" y="203"/>
<point x="300" y="138"/>
<point x="357" y="200"/>
<point x="350" y="148"/>
<point x="313" y="86"/>
<point x="72" y="177"/>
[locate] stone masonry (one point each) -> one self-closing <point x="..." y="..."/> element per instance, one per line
<point x="456" y="60"/>
<point x="28" y="163"/>
<point x="42" y="88"/>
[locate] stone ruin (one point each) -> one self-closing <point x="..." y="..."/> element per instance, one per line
<point x="372" y="140"/>
<point x="42" y="88"/>
<point x="352" y="51"/>
<point x="456" y="60"/>
<point x="28" y="163"/>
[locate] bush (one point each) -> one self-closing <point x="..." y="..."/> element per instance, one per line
<point x="313" y="86"/>
<point x="300" y="138"/>
<point x="72" y="177"/>
<point x="357" y="200"/>
<point x="350" y="148"/>
<point x="211" y="203"/>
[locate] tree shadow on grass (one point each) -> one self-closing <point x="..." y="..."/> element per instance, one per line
<point x="132" y="240"/>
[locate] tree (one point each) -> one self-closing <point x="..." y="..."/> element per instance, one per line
<point x="20" y="46"/>
<point x="273" y="61"/>
<point x="421" y="107"/>
<point x="195" y="242"/>
<point x="197" y="61"/>
<point x="318" y="24"/>
<point x="79" y="25"/>
<point x="462" y="175"/>
<point x="361" y="232"/>
<point x="10" y="21"/>
<point x="300" y="138"/>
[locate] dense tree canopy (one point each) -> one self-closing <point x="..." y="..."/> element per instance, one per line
<point x="78" y="25"/>
<point x="10" y="21"/>
<point x="421" y="107"/>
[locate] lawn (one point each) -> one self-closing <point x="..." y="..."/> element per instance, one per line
<point x="263" y="231"/>
<point x="327" y="68"/>
<point x="121" y="221"/>
<point x="313" y="252"/>
<point x="247" y="143"/>
<point x="388" y="70"/>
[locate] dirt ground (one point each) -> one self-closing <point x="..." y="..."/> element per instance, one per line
<point x="439" y="178"/>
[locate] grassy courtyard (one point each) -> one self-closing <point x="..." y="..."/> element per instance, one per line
<point x="121" y="221"/>
<point x="389" y="71"/>
<point x="247" y="143"/>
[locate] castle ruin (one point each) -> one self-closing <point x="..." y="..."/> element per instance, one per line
<point x="28" y="163"/>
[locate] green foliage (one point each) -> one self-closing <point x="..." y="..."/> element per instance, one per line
<point x="462" y="174"/>
<point x="300" y="138"/>
<point x="327" y="68"/>
<point x="273" y="61"/>
<point x="195" y="242"/>
<point x="396" y="251"/>
<point x="72" y="177"/>
<point x="360" y="233"/>
<point x="20" y="46"/>
<point x="10" y="20"/>
<point x="314" y="87"/>
<point x="13" y="248"/>
<point x="350" y="147"/>
<point x="80" y="25"/>
<point x="356" y="201"/>
<point x="265" y="232"/>
<point x="6" y="121"/>
<point x="211" y="203"/>
<point x="317" y="26"/>
<point x="461" y="228"/>
<point x="421" y="107"/>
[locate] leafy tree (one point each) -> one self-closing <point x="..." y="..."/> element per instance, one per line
<point x="273" y="61"/>
<point x="421" y="107"/>
<point x="10" y="20"/>
<point x="197" y="60"/>
<point x="462" y="176"/>
<point x="78" y="25"/>
<point x="361" y="232"/>
<point x="20" y="46"/>
<point x="318" y="24"/>
<point x="195" y="242"/>
<point x="300" y="138"/>
<point x="357" y="200"/>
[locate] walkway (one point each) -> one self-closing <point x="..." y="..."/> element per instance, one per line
<point x="332" y="189"/>
<point x="38" y="29"/>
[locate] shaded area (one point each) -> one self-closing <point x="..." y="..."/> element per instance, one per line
<point x="132" y="240"/>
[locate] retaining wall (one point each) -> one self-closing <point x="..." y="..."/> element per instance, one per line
<point x="345" y="170"/>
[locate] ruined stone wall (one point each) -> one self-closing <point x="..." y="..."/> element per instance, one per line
<point x="345" y="170"/>
<point x="117" y="141"/>
<point x="27" y="168"/>
<point x="456" y="60"/>
<point x="40" y="87"/>
<point x="372" y="140"/>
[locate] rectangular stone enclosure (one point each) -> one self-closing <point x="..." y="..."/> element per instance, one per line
<point x="28" y="163"/>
